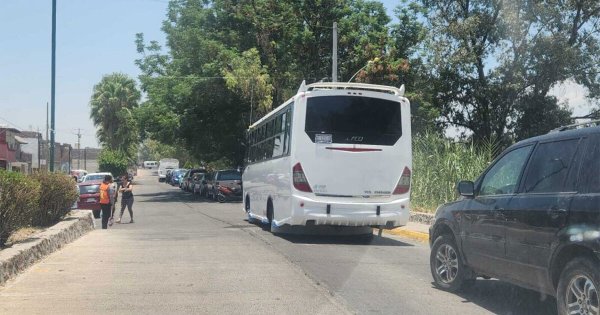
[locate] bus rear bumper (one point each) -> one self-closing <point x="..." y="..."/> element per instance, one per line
<point x="309" y="212"/>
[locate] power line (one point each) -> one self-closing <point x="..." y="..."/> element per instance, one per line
<point x="11" y="123"/>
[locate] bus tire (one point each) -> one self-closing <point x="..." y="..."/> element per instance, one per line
<point x="247" y="204"/>
<point x="270" y="214"/>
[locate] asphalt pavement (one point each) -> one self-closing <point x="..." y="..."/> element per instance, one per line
<point x="188" y="255"/>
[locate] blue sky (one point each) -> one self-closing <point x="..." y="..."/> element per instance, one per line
<point x="94" y="37"/>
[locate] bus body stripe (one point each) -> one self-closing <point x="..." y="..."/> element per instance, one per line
<point x="353" y="149"/>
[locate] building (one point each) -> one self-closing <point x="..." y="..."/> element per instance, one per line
<point x="27" y="152"/>
<point x="37" y="148"/>
<point x="11" y="156"/>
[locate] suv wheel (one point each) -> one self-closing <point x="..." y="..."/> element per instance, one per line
<point x="447" y="268"/>
<point x="578" y="288"/>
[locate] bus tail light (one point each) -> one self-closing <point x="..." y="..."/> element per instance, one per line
<point x="404" y="182"/>
<point x="300" y="181"/>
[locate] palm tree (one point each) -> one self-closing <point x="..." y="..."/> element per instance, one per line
<point x="112" y="103"/>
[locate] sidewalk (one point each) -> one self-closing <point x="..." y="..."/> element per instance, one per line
<point x="412" y="230"/>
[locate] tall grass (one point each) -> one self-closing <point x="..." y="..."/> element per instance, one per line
<point x="438" y="165"/>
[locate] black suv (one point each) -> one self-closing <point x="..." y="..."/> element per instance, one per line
<point x="532" y="219"/>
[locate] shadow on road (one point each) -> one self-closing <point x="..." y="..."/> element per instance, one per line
<point x="370" y="240"/>
<point x="503" y="298"/>
<point x="175" y="196"/>
<point x="299" y="235"/>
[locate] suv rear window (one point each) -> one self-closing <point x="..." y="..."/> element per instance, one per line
<point x="550" y="166"/>
<point x="354" y="119"/>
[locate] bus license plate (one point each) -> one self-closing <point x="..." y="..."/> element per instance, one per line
<point x="323" y="138"/>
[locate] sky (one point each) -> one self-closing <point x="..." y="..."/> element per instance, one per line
<point x="94" y="38"/>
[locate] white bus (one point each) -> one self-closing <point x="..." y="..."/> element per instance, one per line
<point x="335" y="154"/>
<point x="150" y="164"/>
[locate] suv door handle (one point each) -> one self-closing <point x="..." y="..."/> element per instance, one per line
<point x="499" y="213"/>
<point x="556" y="212"/>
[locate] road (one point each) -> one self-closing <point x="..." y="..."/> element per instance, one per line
<point x="186" y="255"/>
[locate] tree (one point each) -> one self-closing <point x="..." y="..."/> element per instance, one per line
<point x="227" y="57"/>
<point x="112" y="104"/>
<point x="247" y="76"/>
<point x="494" y="62"/>
<point x="114" y="162"/>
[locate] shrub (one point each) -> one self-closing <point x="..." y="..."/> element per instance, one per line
<point x="112" y="161"/>
<point x="57" y="195"/>
<point x="438" y="165"/>
<point x="19" y="199"/>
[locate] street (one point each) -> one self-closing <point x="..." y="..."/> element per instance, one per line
<point x="188" y="255"/>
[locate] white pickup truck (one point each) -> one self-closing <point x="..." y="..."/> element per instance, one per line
<point x="164" y="165"/>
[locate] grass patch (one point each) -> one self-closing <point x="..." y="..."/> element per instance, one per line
<point x="439" y="163"/>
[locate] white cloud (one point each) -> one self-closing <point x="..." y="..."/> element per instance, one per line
<point x="574" y="95"/>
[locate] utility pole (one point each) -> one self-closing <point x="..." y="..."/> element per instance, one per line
<point x="39" y="135"/>
<point x="78" y="148"/>
<point x="334" y="63"/>
<point x="47" y="124"/>
<point x="53" y="86"/>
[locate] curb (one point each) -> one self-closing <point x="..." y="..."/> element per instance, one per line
<point x="22" y="255"/>
<point x="418" y="217"/>
<point x="402" y="231"/>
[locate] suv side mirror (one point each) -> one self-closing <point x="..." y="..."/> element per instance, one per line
<point x="466" y="188"/>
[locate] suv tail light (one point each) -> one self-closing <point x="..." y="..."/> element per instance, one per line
<point x="404" y="182"/>
<point x="300" y="181"/>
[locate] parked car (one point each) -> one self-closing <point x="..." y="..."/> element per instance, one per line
<point x="532" y="219"/>
<point x="199" y="184"/>
<point x="79" y="173"/>
<point x="186" y="180"/>
<point x="231" y="180"/>
<point x="176" y="176"/>
<point x="95" y="177"/>
<point x="89" y="192"/>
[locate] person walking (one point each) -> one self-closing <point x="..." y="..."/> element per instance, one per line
<point x="126" y="198"/>
<point x="106" y="191"/>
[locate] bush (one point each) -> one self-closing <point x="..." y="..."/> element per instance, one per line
<point x="57" y="195"/>
<point x="112" y="161"/>
<point x="438" y="165"/>
<point x="19" y="199"/>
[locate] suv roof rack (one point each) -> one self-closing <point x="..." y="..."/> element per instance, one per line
<point x="355" y="86"/>
<point x="591" y="123"/>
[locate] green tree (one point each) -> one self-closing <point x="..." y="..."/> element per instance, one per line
<point x="227" y="57"/>
<point x="114" y="162"/>
<point x="247" y="76"/>
<point x="112" y="104"/>
<point x="494" y="62"/>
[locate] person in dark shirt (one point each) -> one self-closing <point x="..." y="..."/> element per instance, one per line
<point x="126" y="191"/>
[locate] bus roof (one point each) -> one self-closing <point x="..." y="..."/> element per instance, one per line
<point x="334" y="86"/>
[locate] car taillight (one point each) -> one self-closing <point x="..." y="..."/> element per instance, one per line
<point x="404" y="182"/>
<point x="300" y="181"/>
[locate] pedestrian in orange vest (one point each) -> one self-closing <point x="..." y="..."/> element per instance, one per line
<point x="106" y="191"/>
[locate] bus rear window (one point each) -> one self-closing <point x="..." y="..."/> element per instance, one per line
<point x="353" y="119"/>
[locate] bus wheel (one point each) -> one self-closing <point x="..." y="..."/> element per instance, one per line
<point x="270" y="213"/>
<point x="247" y="204"/>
